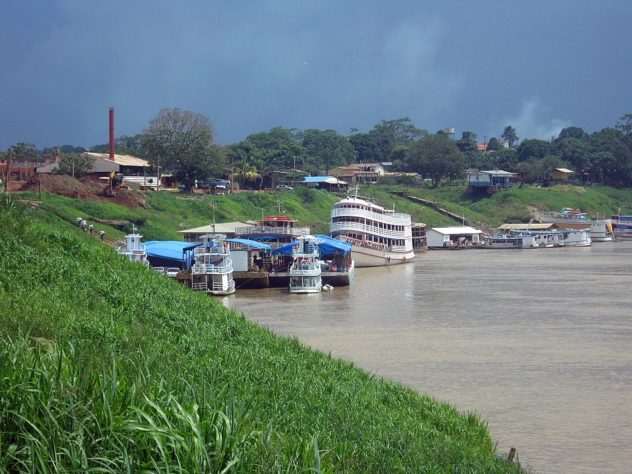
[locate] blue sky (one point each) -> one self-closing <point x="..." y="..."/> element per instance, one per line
<point x="249" y="66"/>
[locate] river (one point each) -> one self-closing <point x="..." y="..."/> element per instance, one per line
<point x="536" y="342"/>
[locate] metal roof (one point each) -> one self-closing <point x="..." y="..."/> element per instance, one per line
<point x="457" y="230"/>
<point x="498" y="173"/>
<point x="322" y="179"/>
<point x="522" y="226"/>
<point x="251" y="243"/>
<point x="221" y="228"/>
<point x="169" y="249"/>
<point x="121" y="160"/>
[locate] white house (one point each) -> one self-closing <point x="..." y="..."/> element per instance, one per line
<point x="453" y="237"/>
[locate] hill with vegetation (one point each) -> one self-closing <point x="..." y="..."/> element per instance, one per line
<point x="107" y="366"/>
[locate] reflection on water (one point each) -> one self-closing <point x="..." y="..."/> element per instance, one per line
<point x="538" y="342"/>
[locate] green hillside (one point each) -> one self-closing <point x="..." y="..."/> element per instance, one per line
<point x="513" y="205"/>
<point x="108" y="367"/>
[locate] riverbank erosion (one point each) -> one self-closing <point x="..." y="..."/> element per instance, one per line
<point x="110" y="366"/>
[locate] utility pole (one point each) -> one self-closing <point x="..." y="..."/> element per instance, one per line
<point x="213" y="204"/>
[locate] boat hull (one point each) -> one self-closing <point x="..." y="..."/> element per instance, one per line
<point x="366" y="257"/>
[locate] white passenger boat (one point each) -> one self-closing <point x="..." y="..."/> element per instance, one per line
<point x="511" y="241"/>
<point x="305" y="272"/>
<point x="133" y="249"/>
<point x="561" y="238"/>
<point x="601" y="230"/>
<point x="212" y="270"/>
<point x="379" y="236"/>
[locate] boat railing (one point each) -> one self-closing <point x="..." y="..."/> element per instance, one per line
<point x="371" y="229"/>
<point x="209" y="268"/>
<point x="223" y="250"/>
<point x="365" y="243"/>
<point x="253" y="230"/>
<point x="388" y="217"/>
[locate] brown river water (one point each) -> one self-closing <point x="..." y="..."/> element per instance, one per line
<point x="537" y="342"/>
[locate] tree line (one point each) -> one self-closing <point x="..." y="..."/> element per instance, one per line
<point x="183" y="143"/>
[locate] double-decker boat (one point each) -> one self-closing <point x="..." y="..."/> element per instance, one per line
<point x="133" y="249"/>
<point x="212" y="270"/>
<point x="305" y="272"/>
<point x="378" y="236"/>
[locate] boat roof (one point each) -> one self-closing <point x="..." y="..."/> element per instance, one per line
<point x="525" y="226"/>
<point x="251" y="243"/>
<point x="169" y="249"/>
<point x="358" y="200"/>
<point x="277" y="219"/>
<point x="220" y="228"/>
<point x="457" y="230"/>
<point x="326" y="246"/>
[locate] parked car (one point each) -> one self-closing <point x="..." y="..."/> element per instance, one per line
<point x="283" y="186"/>
<point x="172" y="272"/>
<point x="160" y="270"/>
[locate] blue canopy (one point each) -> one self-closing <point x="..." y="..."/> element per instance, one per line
<point x="284" y="249"/>
<point x="326" y="246"/>
<point x="329" y="246"/>
<point x="166" y="251"/>
<point x="251" y="243"/>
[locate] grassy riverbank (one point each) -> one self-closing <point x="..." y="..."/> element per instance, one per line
<point x="107" y="366"/>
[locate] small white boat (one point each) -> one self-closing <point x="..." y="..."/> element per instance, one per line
<point x="305" y="272"/>
<point x="133" y="249"/>
<point x="212" y="270"/>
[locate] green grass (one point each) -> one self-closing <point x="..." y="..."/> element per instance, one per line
<point x="166" y="213"/>
<point x="515" y="205"/>
<point x="108" y="367"/>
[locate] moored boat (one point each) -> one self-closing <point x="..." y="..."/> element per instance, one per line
<point x="133" y="249"/>
<point x="511" y="241"/>
<point x="378" y="236"/>
<point x="212" y="270"/>
<point x="622" y="226"/>
<point x="305" y="272"/>
<point x="601" y="230"/>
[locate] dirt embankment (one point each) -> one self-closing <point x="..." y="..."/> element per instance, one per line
<point x="83" y="189"/>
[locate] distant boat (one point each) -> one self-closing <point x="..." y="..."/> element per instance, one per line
<point x="378" y="236"/>
<point x="561" y="238"/>
<point x="305" y="272"/>
<point x="601" y="230"/>
<point x="622" y="226"/>
<point x="133" y="249"/>
<point x="511" y="241"/>
<point x="212" y="271"/>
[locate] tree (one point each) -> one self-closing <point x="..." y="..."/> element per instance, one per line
<point x="533" y="148"/>
<point x="23" y="152"/>
<point x="182" y="141"/>
<point x="624" y="124"/>
<point x="572" y="132"/>
<point x="469" y="147"/>
<point x="327" y="148"/>
<point x="74" y="164"/>
<point x="574" y="151"/>
<point x="379" y="144"/>
<point x="509" y="135"/>
<point x="493" y="144"/>
<point x="437" y="157"/>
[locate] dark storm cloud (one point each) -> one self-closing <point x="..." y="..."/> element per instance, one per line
<point x="253" y="65"/>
